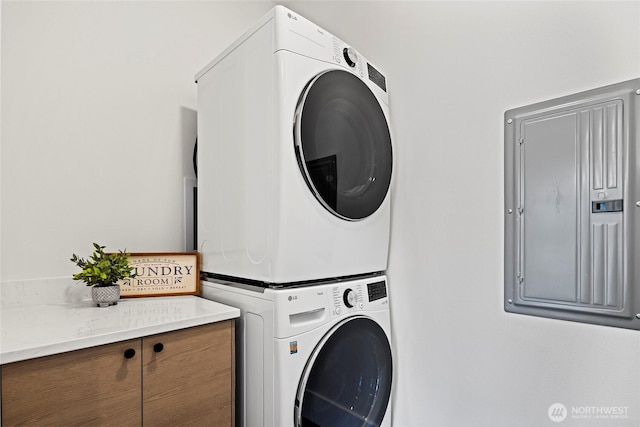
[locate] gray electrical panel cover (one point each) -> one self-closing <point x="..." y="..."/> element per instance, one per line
<point x="572" y="207"/>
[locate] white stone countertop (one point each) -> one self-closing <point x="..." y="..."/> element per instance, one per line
<point x="34" y="330"/>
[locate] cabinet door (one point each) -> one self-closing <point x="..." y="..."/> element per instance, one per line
<point x="95" y="386"/>
<point x="188" y="377"/>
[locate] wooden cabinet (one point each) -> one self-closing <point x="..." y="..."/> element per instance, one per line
<point x="185" y="377"/>
<point x="91" y="386"/>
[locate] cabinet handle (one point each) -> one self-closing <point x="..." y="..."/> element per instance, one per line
<point x="158" y="347"/>
<point x="129" y="353"/>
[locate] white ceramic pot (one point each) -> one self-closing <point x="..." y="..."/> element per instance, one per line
<point x="104" y="296"/>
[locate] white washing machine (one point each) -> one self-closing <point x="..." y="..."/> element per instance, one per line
<point x="311" y="356"/>
<point x="294" y="157"/>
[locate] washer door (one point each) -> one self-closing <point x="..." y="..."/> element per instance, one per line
<point x="347" y="380"/>
<point x="343" y="144"/>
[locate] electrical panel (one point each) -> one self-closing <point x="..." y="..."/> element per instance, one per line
<point x="572" y="207"/>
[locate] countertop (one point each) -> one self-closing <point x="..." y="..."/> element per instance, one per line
<point x="32" y="331"/>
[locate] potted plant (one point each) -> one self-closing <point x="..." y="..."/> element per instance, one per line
<point x="102" y="272"/>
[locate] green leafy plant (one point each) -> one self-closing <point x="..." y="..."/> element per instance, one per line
<point x="103" y="269"/>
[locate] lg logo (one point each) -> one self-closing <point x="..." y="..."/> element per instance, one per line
<point x="557" y="412"/>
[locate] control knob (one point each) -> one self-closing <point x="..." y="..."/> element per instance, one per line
<point x="350" y="56"/>
<point x="349" y="298"/>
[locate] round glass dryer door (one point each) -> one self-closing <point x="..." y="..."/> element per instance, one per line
<point x="347" y="381"/>
<point x="343" y="144"/>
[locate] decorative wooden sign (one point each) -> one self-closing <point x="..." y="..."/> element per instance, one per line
<point x="162" y="274"/>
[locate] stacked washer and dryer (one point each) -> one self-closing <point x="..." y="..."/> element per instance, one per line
<point x="294" y="169"/>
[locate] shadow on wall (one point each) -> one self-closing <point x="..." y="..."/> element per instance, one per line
<point x="188" y="135"/>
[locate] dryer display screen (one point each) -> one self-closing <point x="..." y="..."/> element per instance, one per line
<point x="377" y="290"/>
<point x="377" y="77"/>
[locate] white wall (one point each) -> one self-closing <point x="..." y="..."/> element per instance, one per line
<point x="453" y="69"/>
<point x="98" y="124"/>
<point x="112" y="82"/>
<point x="1" y="178"/>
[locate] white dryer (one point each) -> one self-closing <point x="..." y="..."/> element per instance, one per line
<point x="294" y="157"/>
<point x="311" y="356"/>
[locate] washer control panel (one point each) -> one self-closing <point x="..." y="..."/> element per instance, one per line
<point x="377" y="290"/>
<point x="353" y="297"/>
<point x="349" y="298"/>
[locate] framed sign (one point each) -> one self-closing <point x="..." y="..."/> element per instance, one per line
<point x="162" y="274"/>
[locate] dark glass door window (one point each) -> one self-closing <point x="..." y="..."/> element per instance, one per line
<point x="343" y="145"/>
<point x="348" y="382"/>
